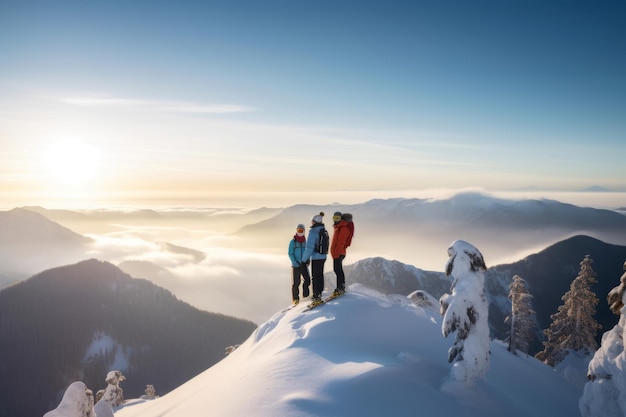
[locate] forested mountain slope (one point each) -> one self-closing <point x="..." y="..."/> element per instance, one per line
<point x="80" y="321"/>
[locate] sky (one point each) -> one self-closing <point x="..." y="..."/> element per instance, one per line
<point x="195" y="102"/>
<point x="389" y="359"/>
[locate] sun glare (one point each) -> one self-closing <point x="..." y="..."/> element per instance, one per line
<point x="71" y="163"/>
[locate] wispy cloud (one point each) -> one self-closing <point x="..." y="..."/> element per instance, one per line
<point x="99" y="100"/>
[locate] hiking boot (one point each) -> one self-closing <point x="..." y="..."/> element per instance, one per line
<point x="338" y="292"/>
<point x="296" y="301"/>
<point x="315" y="301"/>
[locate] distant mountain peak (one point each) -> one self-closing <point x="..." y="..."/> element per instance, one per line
<point x="597" y="189"/>
<point x="24" y="221"/>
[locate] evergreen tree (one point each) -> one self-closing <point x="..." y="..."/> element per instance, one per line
<point x="523" y="318"/>
<point x="605" y="393"/>
<point x="465" y="312"/>
<point x="573" y="326"/>
<point x="113" y="394"/>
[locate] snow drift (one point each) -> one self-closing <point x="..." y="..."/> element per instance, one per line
<point x="363" y="354"/>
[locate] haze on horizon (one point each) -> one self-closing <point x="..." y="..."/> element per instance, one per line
<point x="183" y="103"/>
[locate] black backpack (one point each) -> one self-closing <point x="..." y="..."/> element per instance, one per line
<point x="348" y="218"/>
<point x="324" y="242"/>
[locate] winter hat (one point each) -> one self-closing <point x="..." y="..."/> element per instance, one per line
<point x="300" y="226"/>
<point x="337" y="217"/>
<point x="318" y="218"/>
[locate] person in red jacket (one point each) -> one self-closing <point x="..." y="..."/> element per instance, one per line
<point x="338" y="246"/>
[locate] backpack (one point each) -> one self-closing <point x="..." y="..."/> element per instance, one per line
<point x="348" y="218"/>
<point x="324" y="242"/>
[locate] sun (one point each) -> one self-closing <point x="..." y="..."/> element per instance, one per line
<point x="71" y="163"/>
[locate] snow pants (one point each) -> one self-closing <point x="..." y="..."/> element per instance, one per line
<point x="301" y="271"/>
<point x="317" y="276"/>
<point x="338" y="268"/>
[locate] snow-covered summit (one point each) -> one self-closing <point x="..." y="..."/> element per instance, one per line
<point x="363" y="354"/>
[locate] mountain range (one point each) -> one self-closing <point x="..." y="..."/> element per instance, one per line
<point x="166" y="342"/>
<point x="413" y="231"/>
<point x="86" y="298"/>
<point x="418" y="231"/>
<point x="80" y="321"/>
<point x="206" y="256"/>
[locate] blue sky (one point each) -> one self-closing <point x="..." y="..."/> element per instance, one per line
<point x="163" y="99"/>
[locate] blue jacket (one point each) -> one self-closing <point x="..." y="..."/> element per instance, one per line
<point x="296" y="250"/>
<point x="311" y="243"/>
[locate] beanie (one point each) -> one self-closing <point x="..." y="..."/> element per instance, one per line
<point x="300" y="226"/>
<point x="318" y="218"/>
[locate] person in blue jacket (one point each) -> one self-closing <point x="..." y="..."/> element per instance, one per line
<point x="299" y="269"/>
<point x="317" y="259"/>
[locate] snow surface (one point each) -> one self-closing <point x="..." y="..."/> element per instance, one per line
<point x="363" y="354"/>
<point x="102" y="343"/>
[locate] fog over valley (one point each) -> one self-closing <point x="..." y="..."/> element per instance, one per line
<point x="234" y="260"/>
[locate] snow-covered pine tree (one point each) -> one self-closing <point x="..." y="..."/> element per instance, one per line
<point x="150" y="393"/>
<point x="523" y="318"/>
<point x="605" y="393"/>
<point x="573" y="326"/>
<point x="465" y="312"/>
<point x="77" y="401"/>
<point x="113" y="394"/>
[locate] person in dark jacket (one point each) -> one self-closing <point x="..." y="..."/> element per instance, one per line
<point x="317" y="259"/>
<point x="299" y="269"/>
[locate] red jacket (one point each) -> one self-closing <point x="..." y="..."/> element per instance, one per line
<point x="340" y="239"/>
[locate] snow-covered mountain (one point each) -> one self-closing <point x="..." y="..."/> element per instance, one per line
<point x="393" y="277"/>
<point x="363" y="354"/>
